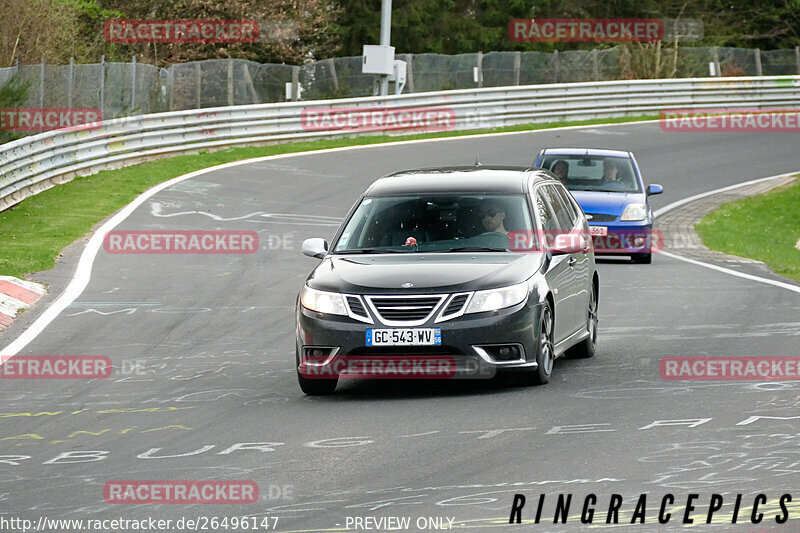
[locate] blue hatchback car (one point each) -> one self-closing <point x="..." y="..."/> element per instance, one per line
<point x="608" y="186"/>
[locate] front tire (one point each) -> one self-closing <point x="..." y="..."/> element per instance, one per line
<point x="586" y="347"/>
<point x="317" y="387"/>
<point x="545" y="355"/>
<point x="643" y="259"/>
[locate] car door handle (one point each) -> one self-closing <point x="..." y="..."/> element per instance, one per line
<point x="572" y="261"/>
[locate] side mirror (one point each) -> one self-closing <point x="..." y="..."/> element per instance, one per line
<point x="569" y="243"/>
<point x="315" y="247"/>
<point x="655" y="188"/>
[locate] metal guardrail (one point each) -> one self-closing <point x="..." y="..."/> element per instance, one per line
<point x="33" y="164"/>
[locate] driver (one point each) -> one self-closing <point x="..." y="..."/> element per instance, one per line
<point x="561" y="169"/>
<point x="492" y="216"/>
<point x="610" y="170"/>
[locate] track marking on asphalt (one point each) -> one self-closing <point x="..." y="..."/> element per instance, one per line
<point x="751" y="277"/>
<point x="80" y="280"/>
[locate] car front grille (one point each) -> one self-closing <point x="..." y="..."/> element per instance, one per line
<point x="355" y="306"/>
<point x="405" y="310"/>
<point x="455" y="304"/>
<point x="599" y="217"/>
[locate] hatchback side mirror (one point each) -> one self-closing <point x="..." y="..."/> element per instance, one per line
<point x="655" y="188"/>
<point x="569" y="243"/>
<point x="315" y="247"/>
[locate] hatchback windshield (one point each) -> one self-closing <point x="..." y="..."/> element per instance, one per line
<point x="593" y="173"/>
<point x="442" y="223"/>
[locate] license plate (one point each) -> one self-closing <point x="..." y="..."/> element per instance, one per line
<point x="404" y="337"/>
<point x="600" y="231"/>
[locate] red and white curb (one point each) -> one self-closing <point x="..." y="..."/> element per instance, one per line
<point x="15" y="295"/>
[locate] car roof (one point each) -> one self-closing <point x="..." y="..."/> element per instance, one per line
<point x="459" y="179"/>
<point x="586" y="151"/>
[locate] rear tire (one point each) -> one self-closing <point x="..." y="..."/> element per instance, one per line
<point x="544" y="349"/>
<point x="586" y="347"/>
<point x="644" y="259"/>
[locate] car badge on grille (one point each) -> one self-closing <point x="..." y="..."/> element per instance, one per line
<point x="407" y="285"/>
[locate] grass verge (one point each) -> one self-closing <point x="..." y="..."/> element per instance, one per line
<point x="33" y="232"/>
<point x="764" y="227"/>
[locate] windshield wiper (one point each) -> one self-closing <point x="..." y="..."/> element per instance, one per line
<point x="472" y="249"/>
<point x="371" y="251"/>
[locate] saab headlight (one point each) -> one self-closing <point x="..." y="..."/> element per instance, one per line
<point x="322" y="301"/>
<point x="634" y="212"/>
<point x="494" y="299"/>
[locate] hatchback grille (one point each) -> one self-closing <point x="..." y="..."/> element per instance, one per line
<point x="599" y="217"/>
<point x="405" y="308"/>
<point x="455" y="305"/>
<point x="356" y="307"/>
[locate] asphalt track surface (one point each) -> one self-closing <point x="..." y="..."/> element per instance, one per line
<point x="214" y="394"/>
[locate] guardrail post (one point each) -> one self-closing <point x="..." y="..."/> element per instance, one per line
<point x="717" y="68"/>
<point x="410" y="72"/>
<point x="70" y="72"/>
<point x="554" y="61"/>
<point x="479" y="65"/>
<point x="171" y="84"/>
<point x="102" y="84"/>
<point x="41" y="83"/>
<point x="133" y="84"/>
<point x="335" y="81"/>
<point x="797" y="58"/>
<point x="595" y="66"/>
<point x="230" y="81"/>
<point x="757" y="53"/>
<point x="295" y="83"/>
<point x="517" y="65"/>
<point x="197" y="80"/>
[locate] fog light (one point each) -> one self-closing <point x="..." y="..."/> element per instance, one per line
<point x="317" y="354"/>
<point x="502" y="352"/>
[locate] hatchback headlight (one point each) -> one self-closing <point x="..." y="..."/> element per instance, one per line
<point x="322" y="301"/>
<point x="634" y="212"/>
<point x="494" y="299"/>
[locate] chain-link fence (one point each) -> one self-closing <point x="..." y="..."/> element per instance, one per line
<point x="122" y="89"/>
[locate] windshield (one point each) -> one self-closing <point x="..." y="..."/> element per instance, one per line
<point x="441" y="223"/>
<point x="593" y="173"/>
